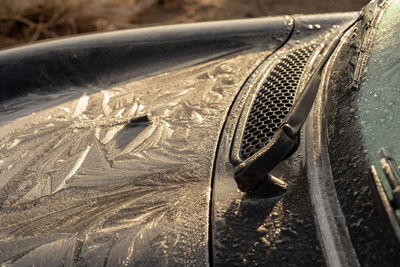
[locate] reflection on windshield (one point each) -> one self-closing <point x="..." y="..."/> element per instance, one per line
<point x="379" y="97"/>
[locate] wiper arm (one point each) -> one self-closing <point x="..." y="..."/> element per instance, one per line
<point x="252" y="175"/>
<point x="389" y="202"/>
<point x="392" y="173"/>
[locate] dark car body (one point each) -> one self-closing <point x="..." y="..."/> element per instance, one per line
<point x="119" y="149"/>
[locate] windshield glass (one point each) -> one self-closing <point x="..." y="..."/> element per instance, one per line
<point x="378" y="100"/>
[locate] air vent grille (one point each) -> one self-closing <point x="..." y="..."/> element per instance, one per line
<point x="273" y="101"/>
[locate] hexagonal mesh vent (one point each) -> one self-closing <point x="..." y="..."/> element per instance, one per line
<point x="273" y="101"/>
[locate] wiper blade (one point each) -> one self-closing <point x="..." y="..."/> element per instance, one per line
<point x="361" y="44"/>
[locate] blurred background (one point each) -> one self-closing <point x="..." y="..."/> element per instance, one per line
<point x="24" y="21"/>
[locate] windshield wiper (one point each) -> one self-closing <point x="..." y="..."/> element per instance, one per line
<point x="392" y="173"/>
<point x="389" y="201"/>
<point x="253" y="175"/>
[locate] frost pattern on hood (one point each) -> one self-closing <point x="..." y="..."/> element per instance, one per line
<point x="81" y="185"/>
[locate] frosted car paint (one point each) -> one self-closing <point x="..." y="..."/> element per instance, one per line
<point x="83" y="186"/>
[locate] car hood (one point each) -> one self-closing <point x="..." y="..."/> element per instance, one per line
<point x="79" y="178"/>
<point x="115" y="168"/>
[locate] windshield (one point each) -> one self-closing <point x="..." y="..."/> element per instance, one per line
<point x="378" y="99"/>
